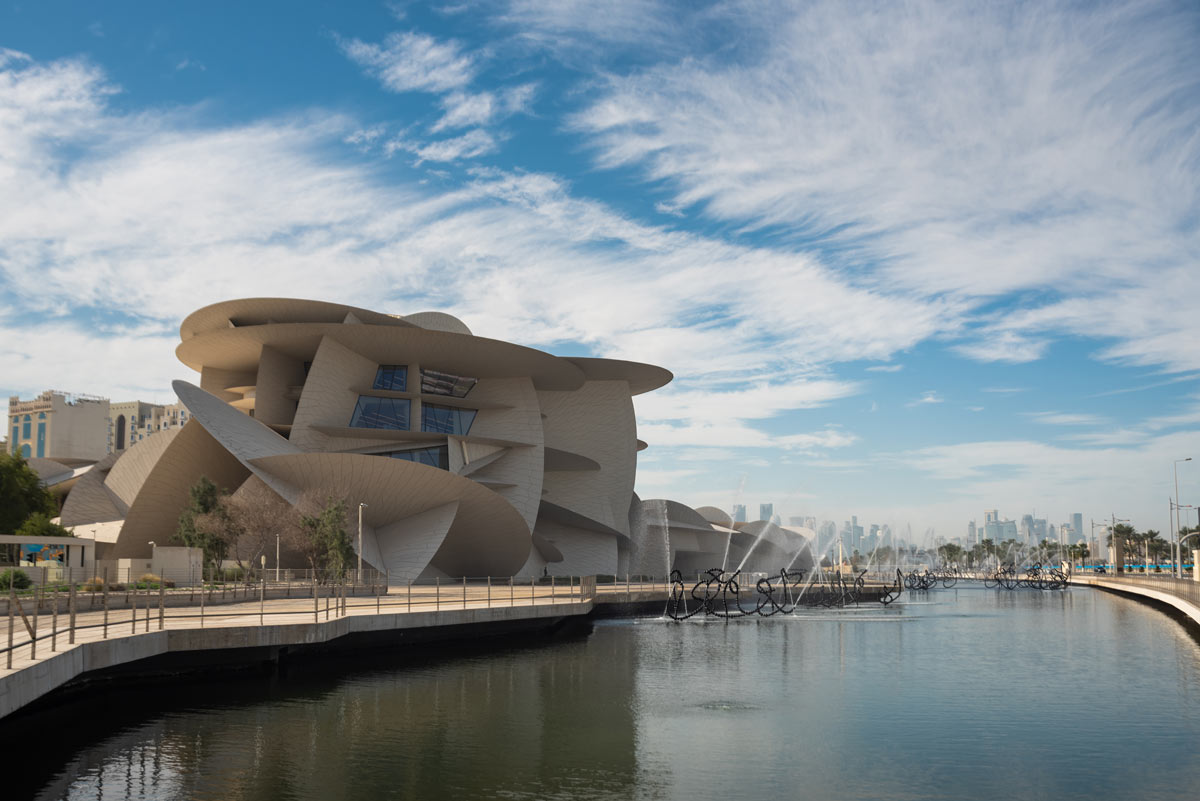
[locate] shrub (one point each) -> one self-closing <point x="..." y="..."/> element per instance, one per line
<point x="94" y="584"/>
<point x="15" y="578"/>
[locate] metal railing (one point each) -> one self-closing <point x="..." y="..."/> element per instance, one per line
<point x="1183" y="588"/>
<point x="146" y="607"/>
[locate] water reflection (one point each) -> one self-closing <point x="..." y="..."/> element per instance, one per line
<point x="980" y="694"/>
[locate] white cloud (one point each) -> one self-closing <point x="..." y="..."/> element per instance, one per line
<point x="972" y="151"/>
<point x="1066" y="419"/>
<point x="472" y="144"/>
<point x="885" y="368"/>
<point x="412" y="62"/>
<point x="929" y="396"/>
<point x="467" y="109"/>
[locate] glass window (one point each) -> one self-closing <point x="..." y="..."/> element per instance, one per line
<point x="381" y="413"/>
<point x="435" y="383"/>
<point x="41" y="440"/>
<point x="16" y="431"/>
<point x="391" y="376"/>
<point x="26" y="427"/>
<point x="434" y="457"/>
<point x="41" y="415"/>
<point x="446" y="419"/>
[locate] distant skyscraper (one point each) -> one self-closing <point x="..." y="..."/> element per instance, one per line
<point x="766" y="511"/>
<point x="796" y="521"/>
<point x="990" y="516"/>
<point x="739" y="513"/>
<point x="1077" y="526"/>
<point x="972" y="536"/>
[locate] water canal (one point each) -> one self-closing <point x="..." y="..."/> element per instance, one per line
<point x="951" y="694"/>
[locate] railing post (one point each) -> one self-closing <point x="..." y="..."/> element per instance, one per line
<point x="489" y="592"/>
<point x="202" y="594"/>
<point x="409" y="594"/>
<point x="33" y="634"/>
<point x="162" y="597"/>
<point x="464" y="592"/>
<point x="533" y="590"/>
<point x="377" y="597"/>
<point x="316" y="603"/>
<point x="437" y="594"/>
<point x="106" y="603"/>
<point x="512" y="591"/>
<point x="133" y="608"/>
<point x="54" y="623"/>
<point x="71" y="610"/>
<point x="552" y="595"/>
<point x="12" y="597"/>
<point x="262" y="598"/>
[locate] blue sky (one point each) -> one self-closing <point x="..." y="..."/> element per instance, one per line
<point x="906" y="261"/>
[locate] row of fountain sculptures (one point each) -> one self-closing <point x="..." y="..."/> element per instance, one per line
<point x="720" y="594"/>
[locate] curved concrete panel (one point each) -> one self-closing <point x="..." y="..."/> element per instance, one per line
<point x="438" y="321"/>
<point x="487" y="532"/>
<point x="261" y="311"/>
<point x="128" y="473"/>
<point x="406" y="547"/>
<point x="714" y="515"/>
<point x="640" y="377"/>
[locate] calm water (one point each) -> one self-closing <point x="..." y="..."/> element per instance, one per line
<point x="975" y="694"/>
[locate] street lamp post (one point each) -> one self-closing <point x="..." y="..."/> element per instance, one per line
<point x="1175" y="527"/>
<point x="360" y="508"/>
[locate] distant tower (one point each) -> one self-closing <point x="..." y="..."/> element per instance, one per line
<point x="739" y="513"/>
<point x="1077" y="525"/>
<point x="991" y="516"/>
<point x="766" y="511"/>
<point x="972" y="535"/>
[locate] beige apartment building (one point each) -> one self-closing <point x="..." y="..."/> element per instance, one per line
<point x="64" y="425"/>
<point x="58" y="424"/>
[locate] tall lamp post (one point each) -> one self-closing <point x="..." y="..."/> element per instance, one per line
<point x="1175" y="527"/>
<point x="361" y="506"/>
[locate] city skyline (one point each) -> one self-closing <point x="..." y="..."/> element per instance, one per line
<point x="881" y="295"/>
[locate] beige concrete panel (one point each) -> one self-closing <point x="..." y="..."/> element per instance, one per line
<point x="328" y="398"/>
<point x="217" y="381"/>
<point x="406" y="547"/>
<point x="584" y="552"/>
<point x="154" y="514"/>
<point x="89" y="501"/>
<point x="520" y="421"/>
<point x="595" y="422"/>
<point x="714" y="515"/>
<point x="640" y="377"/>
<point x="238" y="349"/>
<point x="277" y="374"/>
<point x="127" y="475"/>
<point x="488" y="536"/>
<point x="49" y="471"/>
<point x="438" y="321"/>
<point x="257" y="311"/>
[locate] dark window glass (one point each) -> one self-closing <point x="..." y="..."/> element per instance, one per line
<point x="435" y="383"/>
<point x="434" y="457"/>
<point x="26" y="427"/>
<point x="446" y="419"/>
<point x="391" y="376"/>
<point x="381" y="413"/>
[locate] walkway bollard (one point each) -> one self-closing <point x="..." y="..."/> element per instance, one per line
<point x="54" y="623"/>
<point x="162" y="596"/>
<point x="71" y="610"/>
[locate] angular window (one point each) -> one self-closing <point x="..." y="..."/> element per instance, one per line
<point x="41" y="440"/>
<point x="435" y="383"/>
<point x="434" y="457"/>
<point x="391" y="413"/>
<point x="391" y="376"/>
<point x="26" y="427"/>
<point x="446" y="419"/>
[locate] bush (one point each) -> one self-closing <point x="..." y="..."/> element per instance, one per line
<point x="15" y="578"/>
<point x="94" y="584"/>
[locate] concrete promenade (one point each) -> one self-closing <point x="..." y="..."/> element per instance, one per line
<point x="1182" y="594"/>
<point x="263" y="627"/>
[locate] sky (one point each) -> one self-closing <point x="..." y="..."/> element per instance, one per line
<point x="907" y="261"/>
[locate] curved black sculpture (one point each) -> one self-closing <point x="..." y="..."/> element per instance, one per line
<point x="721" y="595"/>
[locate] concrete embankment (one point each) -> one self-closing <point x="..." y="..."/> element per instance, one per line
<point x="1164" y="593"/>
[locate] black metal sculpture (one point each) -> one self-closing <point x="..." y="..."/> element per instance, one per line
<point x="721" y="595"/>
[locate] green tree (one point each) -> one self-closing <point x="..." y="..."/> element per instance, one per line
<point x="201" y="525"/>
<point x="325" y="542"/>
<point x="39" y="524"/>
<point x="21" y="493"/>
<point x="951" y="553"/>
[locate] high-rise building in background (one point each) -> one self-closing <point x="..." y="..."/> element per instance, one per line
<point x="766" y="511"/>
<point x="990" y="516"/>
<point x="739" y="513"/>
<point x="1077" y="526"/>
<point x="972" y="534"/>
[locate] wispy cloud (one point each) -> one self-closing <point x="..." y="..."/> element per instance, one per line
<point x="1066" y="419"/>
<point x="929" y="396"/>
<point x="1005" y="390"/>
<point x="412" y="62"/>
<point x="470" y="145"/>
<point x="885" y="368"/>
<point x="975" y="150"/>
